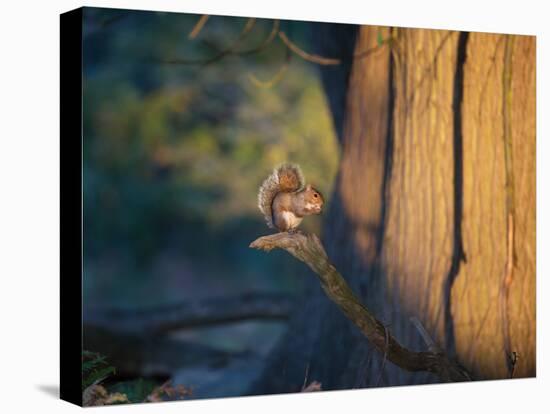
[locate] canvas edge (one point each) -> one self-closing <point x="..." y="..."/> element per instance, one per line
<point x="71" y="206"/>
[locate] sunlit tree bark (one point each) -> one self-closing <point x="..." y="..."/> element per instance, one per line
<point x="433" y="211"/>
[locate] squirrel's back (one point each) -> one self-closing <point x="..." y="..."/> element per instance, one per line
<point x="286" y="178"/>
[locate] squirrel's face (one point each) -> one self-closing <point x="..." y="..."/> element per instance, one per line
<point x="313" y="200"/>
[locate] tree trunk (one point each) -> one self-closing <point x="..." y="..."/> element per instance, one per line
<point x="433" y="211"/>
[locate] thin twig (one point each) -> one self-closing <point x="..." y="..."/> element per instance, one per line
<point x="305" y="377"/>
<point x="363" y="369"/>
<point x="513" y="362"/>
<point x="385" y="357"/>
<point x="366" y="53"/>
<point x="305" y="55"/>
<point x="430" y="343"/>
<point x="266" y="42"/>
<point x="198" y="26"/>
<point x="276" y="78"/>
<point x="247" y="28"/>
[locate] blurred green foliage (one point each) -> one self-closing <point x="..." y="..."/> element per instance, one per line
<point x="95" y="368"/>
<point x="174" y="153"/>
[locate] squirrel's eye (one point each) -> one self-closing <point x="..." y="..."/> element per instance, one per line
<point x="315" y="195"/>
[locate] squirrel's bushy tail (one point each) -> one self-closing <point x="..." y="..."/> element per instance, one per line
<point x="286" y="178"/>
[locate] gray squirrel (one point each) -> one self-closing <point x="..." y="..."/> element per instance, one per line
<point x="284" y="198"/>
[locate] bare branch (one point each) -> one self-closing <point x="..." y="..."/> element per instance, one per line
<point x="275" y="31"/>
<point x="308" y="249"/>
<point x="192" y="314"/>
<point x="144" y="354"/>
<point x="227" y="51"/>
<point x="256" y="49"/>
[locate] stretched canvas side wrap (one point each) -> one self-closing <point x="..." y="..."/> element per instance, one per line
<point x="256" y="206"/>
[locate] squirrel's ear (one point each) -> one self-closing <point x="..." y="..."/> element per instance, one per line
<point x="308" y="187"/>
